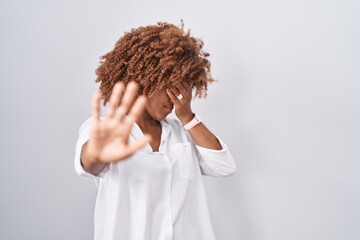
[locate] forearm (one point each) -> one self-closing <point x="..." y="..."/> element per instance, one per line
<point x="201" y="135"/>
<point x="89" y="163"/>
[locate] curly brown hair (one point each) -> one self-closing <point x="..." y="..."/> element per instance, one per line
<point x="157" y="57"/>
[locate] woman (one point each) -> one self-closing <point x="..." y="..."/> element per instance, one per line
<point x="148" y="167"/>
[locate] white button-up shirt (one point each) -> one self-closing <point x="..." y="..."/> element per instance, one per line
<point x="156" y="195"/>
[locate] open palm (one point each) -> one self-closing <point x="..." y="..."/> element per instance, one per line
<point x="109" y="135"/>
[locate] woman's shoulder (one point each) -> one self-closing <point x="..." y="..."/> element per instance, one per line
<point x="85" y="125"/>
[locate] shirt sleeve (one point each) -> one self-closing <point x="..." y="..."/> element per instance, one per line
<point x="84" y="135"/>
<point x="216" y="163"/>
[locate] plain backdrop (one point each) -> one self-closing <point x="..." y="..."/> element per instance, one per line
<point x="286" y="102"/>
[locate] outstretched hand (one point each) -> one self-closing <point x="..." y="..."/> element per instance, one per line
<point x="109" y="136"/>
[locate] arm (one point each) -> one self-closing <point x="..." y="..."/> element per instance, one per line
<point x="201" y="135"/>
<point x="90" y="163"/>
<point x="214" y="157"/>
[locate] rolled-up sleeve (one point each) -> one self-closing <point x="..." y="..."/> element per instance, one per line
<point x="217" y="163"/>
<point x="84" y="135"/>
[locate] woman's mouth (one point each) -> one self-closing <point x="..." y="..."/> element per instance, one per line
<point x="169" y="108"/>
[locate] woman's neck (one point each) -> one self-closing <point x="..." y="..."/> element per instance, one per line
<point x="146" y="122"/>
<point x="151" y="126"/>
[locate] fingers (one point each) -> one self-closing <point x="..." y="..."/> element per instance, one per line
<point x="123" y="97"/>
<point x="135" y="112"/>
<point x="181" y="93"/>
<point x="96" y="106"/>
<point x="185" y="88"/>
<point x="177" y="93"/>
<point x="172" y="96"/>
<point x="115" y="98"/>
<point x="187" y="85"/>
<point x="138" y="108"/>
<point x="181" y="89"/>
<point x="128" y="99"/>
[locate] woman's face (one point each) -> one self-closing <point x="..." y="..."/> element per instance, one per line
<point x="159" y="106"/>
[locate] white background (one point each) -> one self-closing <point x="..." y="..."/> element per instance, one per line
<point x="286" y="102"/>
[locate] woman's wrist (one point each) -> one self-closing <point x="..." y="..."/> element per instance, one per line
<point x="195" y="121"/>
<point x="186" y="118"/>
